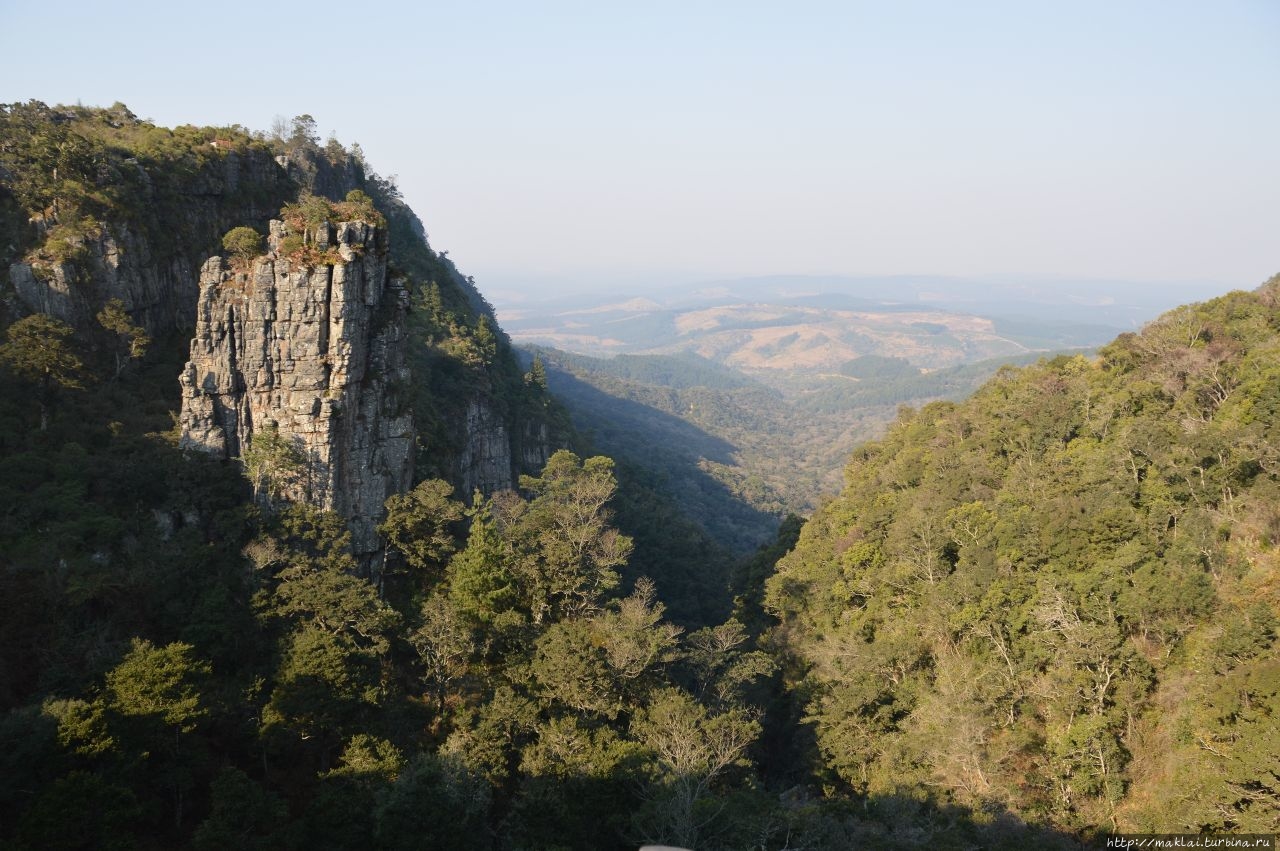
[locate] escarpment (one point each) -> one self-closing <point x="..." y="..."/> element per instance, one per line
<point x="312" y="353"/>
<point x="148" y="251"/>
<point x="317" y="365"/>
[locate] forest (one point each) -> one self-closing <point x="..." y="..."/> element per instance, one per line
<point x="738" y="452"/>
<point x="1030" y="618"/>
<point x="1060" y="594"/>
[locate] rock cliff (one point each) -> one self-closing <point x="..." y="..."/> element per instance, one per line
<point x="153" y="267"/>
<point x="309" y="343"/>
<point x="487" y="441"/>
<point x="492" y="456"/>
<point x="315" y="352"/>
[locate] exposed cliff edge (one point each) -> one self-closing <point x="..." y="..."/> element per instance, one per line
<point x="364" y="350"/>
<point x="145" y="224"/>
<point x="314" y="353"/>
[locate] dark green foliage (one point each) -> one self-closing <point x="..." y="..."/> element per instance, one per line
<point x="422" y="524"/>
<point x="131" y="341"/>
<point x="434" y="803"/>
<point x="241" y="815"/>
<point x="647" y="426"/>
<point x="273" y="464"/>
<point x="482" y="584"/>
<point x="1246" y="634"/>
<point x="894" y="381"/>
<point x="878" y="367"/>
<point x="691" y="568"/>
<point x="555" y="666"/>
<point x="1010" y="592"/>
<point x="734" y="453"/>
<point x="680" y="372"/>
<point x="38" y="349"/>
<point x="80" y="812"/>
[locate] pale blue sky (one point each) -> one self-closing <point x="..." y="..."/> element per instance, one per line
<point x="610" y="144"/>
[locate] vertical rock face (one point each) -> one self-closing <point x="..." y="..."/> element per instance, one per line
<point x="156" y="283"/>
<point x="120" y="265"/>
<point x="485" y="462"/>
<point x="317" y="353"/>
<point x="493" y="455"/>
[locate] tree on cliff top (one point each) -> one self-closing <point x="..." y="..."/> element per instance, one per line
<point x="242" y="243"/>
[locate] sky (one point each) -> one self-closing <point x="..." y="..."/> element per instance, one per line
<point x="554" y="146"/>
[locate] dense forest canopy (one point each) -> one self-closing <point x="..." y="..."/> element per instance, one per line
<point x="1060" y="596"/>
<point x="1031" y="617"/>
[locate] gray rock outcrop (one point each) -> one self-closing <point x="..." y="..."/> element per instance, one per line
<point x="315" y="352"/>
<point x="156" y="283"/>
<point x="485" y="463"/>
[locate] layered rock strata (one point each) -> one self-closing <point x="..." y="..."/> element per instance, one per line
<point x="315" y="352"/>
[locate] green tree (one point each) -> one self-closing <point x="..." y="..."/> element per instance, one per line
<point x="572" y="549"/>
<point x="159" y="688"/>
<point x="486" y="340"/>
<point x="131" y="340"/>
<point x="106" y="815"/>
<point x="39" y="350"/>
<point x="422" y="524"/>
<point x="436" y="802"/>
<point x="481" y="583"/>
<point x="537" y="374"/>
<point x="722" y="665"/>
<point x="489" y="737"/>
<point x="608" y="663"/>
<point x="445" y="642"/>
<point x="243" y="244"/>
<point x="274" y="465"/>
<point x="636" y="643"/>
<point x="343" y="813"/>
<point x="329" y="598"/>
<point x="303" y="133"/>
<point x="160" y="681"/>
<point x="241" y="815"/>
<point x="693" y="749"/>
<point x="325" y="685"/>
<point x="334" y="634"/>
<point x="580" y="785"/>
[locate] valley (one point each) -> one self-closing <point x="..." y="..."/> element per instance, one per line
<point x="305" y="545"/>
<point x="741" y="402"/>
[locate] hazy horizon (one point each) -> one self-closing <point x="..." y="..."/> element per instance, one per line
<point x="515" y="290"/>
<point x="579" y="148"/>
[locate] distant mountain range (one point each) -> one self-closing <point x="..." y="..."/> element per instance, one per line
<point x="821" y="324"/>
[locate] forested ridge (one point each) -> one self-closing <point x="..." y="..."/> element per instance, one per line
<point x="1040" y="614"/>
<point x="1059" y="597"/>
<point x="183" y="665"/>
